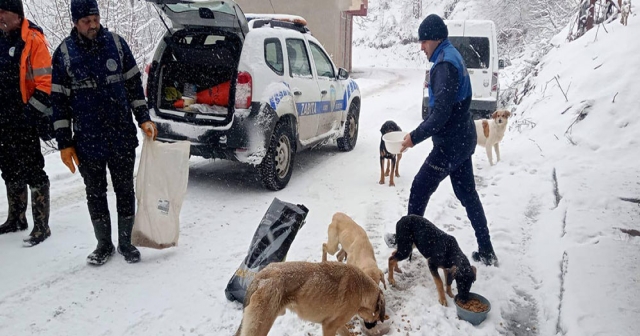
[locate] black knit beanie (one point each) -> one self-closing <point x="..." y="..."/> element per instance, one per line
<point x="82" y="8"/>
<point x="432" y="28"/>
<point x="14" y="6"/>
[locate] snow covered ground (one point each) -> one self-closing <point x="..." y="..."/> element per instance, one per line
<point x="553" y="203"/>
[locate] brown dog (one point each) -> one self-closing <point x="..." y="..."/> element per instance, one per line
<point x="329" y="293"/>
<point x="356" y="247"/>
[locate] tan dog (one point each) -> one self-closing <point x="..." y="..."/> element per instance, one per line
<point x="329" y="293"/>
<point x="356" y="247"/>
<point x="491" y="132"/>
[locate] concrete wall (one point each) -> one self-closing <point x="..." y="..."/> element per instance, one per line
<point x="326" y="20"/>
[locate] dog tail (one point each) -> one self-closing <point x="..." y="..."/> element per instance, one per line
<point x="262" y="305"/>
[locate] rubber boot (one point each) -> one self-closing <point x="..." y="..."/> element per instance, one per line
<point x="130" y="252"/>
<point x="17" y="198"/>
<point x="40" y="203"/>
<point x="105" y="249"/>
<point x="485" y="255"/>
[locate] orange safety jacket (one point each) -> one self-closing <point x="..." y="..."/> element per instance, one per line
<point x="35" y="68"/>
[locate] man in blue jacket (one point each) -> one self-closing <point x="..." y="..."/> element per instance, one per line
<point x="451" y="127"/>
<point x="96" y="86"/>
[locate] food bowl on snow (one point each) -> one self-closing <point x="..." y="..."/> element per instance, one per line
<point x="474" y="310"/>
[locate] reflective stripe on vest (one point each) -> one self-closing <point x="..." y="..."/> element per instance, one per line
<point x="60" y="89"/>
<point x="138" y="103"/>
<point x="61" y="124"/>
<point x="40" y="106"/>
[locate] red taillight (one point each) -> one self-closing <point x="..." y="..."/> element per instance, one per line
<point x="494" y="82"/>
<point x="243" y="90"/>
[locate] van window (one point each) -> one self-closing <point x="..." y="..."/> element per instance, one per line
<point x="273" y="55"/>
<point x="298" y="58"/>
<point x="474" y="50"/>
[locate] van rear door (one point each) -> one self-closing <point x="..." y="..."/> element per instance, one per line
<point x="474" y="44"/>
<point x="224" y="14"/>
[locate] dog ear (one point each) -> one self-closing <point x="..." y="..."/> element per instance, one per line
<point x="494" y="115"/>
<point x="507" y="114"/>
<point x="380" y="307"/>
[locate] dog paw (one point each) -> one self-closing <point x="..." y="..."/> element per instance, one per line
<point x="450" y="294"/>
<point x="443" y="302"/>
<point x="381" y="182"/>
<point x="392" y="282"/>
<point x="392" y="184"/>
<point x="386" y="174"/>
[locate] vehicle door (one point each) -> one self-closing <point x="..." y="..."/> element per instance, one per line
<point x="208" y="13"/>
<point x="304" y="87"/>
<point x="329" y="115"/>
<point x="476" y="52"/>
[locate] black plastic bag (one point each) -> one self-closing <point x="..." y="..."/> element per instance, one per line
<point x="270" y="243"/>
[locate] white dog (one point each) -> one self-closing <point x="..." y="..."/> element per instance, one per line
<point x="490" y="132"/>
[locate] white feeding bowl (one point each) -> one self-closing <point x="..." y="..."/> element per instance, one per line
<point x="393" y="141"/>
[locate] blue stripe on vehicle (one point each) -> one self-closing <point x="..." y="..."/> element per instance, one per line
<point x="277" y="97"/>
<point x="316" y="107"/>
<point x="319" y="107"/>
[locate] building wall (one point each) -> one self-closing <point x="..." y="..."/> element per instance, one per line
<point x="325" y="18"/>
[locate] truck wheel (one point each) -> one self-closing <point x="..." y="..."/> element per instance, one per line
<point x="277" y="165"/>
<point x="348" y="141"/>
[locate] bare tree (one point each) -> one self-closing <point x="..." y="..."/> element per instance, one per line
<point x="417" y="8"/>
<point x="136" y="21"/>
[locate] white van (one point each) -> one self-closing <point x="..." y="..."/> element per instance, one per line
<point x="476" y="41"/>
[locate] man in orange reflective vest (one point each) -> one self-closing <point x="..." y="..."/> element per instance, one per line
<point x="25" y="86"/>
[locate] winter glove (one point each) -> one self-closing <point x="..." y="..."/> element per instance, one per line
<point x="69" y="156"/>
<point x="149" y="128"/>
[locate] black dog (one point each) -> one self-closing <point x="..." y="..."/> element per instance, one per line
<point x="441" y="249"/>
<point x="393" y="160"/>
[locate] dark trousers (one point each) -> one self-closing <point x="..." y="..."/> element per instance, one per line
<point x="435" y="169"/>
<point x="94" y="173"/>
<point x="21" y="160"/>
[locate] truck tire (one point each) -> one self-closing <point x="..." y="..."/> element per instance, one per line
<point x="277" y="165"/>
<point x="350" y="137"/>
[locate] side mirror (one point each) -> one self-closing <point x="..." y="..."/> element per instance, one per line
<point x="343" y="74"/>
<point x="500" y="64"/>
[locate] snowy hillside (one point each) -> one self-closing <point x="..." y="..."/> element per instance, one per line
<point x="387" y="36"/>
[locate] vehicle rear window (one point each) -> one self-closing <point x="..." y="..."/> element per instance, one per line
<point x="474" y="50"/>
<point x="273" y="55"/>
